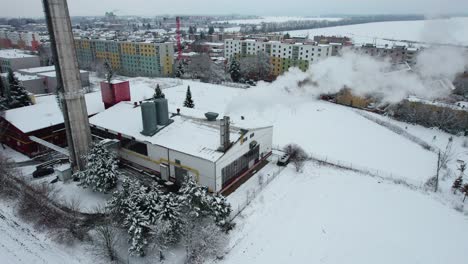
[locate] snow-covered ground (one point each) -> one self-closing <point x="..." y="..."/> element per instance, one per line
<point x="450" y="30"/>
<point x="327" y="215"/>
<point x="277" y="19"/>
<point x="20" y="244"/>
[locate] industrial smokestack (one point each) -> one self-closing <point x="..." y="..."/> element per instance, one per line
<point x="225" y="141"/>
<point x="69" y="87"/>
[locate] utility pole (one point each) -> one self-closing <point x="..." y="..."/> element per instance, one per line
<point x="72" y="99"/>
<point x="438" y="171"/>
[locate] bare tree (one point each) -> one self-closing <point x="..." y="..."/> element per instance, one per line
<point x="204" y="242"/>
<point x="199" y="66"/>
<point x="256" y="67"/>
<point x="297" y="155"/>
<point x="443" y="158"/>
<point x="106" y="241"/>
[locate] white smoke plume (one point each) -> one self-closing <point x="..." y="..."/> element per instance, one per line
<point x="364" y="75"/>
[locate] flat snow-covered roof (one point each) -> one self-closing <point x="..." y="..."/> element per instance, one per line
<point x="187" y="135"/>
<point x="22" y="77"/>
<point x="38" y="69"/>
<point x="14" y="54"/>
<point x="54" y="74"/>
<point x="47" y="113"/>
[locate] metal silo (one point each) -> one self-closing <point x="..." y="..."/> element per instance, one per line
<point x="149" y="118"/>
<point x="162" y="111"/>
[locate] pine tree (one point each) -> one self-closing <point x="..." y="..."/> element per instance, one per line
<point x="180" y="70"/>
<point x="211" y="30"/>
<point x="234" y="70"/>
<point x="109" y="71"/>
<point x="101" y="169"/>
<point x="17" y="95"/>
<point x="2" y="88"/>
<point x="457" y="184"/>
<point x="221" y="210"/>
<point x="137" y="223"/>
<point x="158" y="92"/>
<point x="169" y="216"/>
<point x="151" y="204"/>
<point x="188" y="99"/>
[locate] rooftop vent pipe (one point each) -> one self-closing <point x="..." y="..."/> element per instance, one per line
<point x="225" y="141"/>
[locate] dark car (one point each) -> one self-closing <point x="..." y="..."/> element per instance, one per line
<point x="283" y="160"/>
<point x="41" y="172"/>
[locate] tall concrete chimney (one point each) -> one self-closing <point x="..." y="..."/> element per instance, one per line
<point x="72" y="99"/>
<point x="225" y="141"/>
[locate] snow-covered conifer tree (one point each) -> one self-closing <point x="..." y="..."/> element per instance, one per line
<point x="17" y="95"/>
<point x="234" y="70"/>
<point x="158" y="92"/>
<point x="101" y="169"/>
<point x="188" y="99"/>
<point x="180" y="70"/>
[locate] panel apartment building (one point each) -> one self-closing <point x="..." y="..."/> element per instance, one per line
<point x="283" y="55"/>
<point x="127" y="58"/>
<point x="19" y="40"/>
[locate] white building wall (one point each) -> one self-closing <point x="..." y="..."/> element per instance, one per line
<point x="263" y="136"/>
<point x="203" y="171"/>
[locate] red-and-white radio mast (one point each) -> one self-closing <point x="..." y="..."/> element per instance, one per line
<point x="179" y="45"/>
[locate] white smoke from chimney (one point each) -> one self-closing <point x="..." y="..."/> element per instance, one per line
<point x="363" y="74"/>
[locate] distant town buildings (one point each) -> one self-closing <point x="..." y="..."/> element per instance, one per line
<point x="283" y="54"/>
<point x="127" y="58"/>
<point x="396" y="53"/>
<point x="19" y="40"/>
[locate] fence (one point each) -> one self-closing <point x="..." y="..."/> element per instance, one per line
<point x="235" y="85"/>
<point x="248" y="195"/>
<point x="398" y="130"/>
<point x="397" y="179"/>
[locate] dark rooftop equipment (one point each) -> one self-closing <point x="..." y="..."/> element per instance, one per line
<point x="211" y="116"/>
<point x="149" y="118"/>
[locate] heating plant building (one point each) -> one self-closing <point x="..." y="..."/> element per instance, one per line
<point x="215" y="152"/>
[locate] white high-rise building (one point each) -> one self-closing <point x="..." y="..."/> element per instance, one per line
<point x="282" y="54"/>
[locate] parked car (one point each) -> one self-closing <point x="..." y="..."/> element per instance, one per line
<point x="41" y="172"/>
<point x="283" y="160"/>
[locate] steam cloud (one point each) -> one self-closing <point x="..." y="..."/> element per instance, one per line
<point x="364" y="75"/>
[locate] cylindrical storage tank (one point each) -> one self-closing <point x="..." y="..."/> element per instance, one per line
<point x="149" y="118"/>
<point x="162" y="111"/>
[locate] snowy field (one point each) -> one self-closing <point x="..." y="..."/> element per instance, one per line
<point x="327" y="215"/>
<point x="451" y="30"/>
<point x="277" y="19"/>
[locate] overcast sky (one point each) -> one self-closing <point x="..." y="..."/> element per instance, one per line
<point x="33" y="8"/>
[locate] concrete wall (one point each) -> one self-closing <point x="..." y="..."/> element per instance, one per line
<point x="35" y="86"/>
<point x="24" y="63"/>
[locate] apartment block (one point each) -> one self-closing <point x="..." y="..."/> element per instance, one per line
<point x="283" y="54"/>
<point x="127" y="58"/>
<point x="19" y="40"/>
<point x="396" y="54"/>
